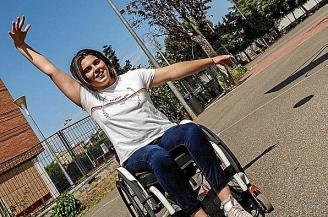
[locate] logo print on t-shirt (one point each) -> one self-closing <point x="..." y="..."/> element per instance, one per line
<point x="119" y="100"/>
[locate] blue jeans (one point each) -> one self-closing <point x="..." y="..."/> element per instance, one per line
<point x="156" y="158"/>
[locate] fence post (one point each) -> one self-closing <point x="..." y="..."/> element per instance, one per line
<point x="71" y="152"/>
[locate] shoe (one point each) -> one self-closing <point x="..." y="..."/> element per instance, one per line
<point x="233" y="209"/>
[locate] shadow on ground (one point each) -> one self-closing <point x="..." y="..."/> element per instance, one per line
<point x="303" y="101"/>
<point x="300" y="72"/>
<point x="266" y="151"/>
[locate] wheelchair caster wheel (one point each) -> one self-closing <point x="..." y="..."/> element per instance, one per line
<point x="262" y="200"/>
<point x="264" y="203"/>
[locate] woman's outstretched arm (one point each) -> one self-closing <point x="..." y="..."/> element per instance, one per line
<point x="64" y="82"/>
<point x="182" y="69"/>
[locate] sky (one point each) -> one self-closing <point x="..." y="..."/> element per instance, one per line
<point x="60" y="29"/>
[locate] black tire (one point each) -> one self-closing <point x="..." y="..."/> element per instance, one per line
<point x="134" y="198"/>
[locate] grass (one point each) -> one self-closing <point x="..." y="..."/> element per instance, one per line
<point x="93" y="193"/>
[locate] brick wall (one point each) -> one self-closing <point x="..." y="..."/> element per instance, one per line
<point x="16" y="135"/>
<point x="22" y="187"/>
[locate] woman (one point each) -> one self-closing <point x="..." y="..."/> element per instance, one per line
<point x="140" y="133"/>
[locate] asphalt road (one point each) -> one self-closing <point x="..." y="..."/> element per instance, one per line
<point x="277" y="125"/>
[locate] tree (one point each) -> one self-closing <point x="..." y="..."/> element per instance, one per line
<point x="181" y="18"/>
<point x="111" y="55"/>
<point x="272" y="9"/>
<point x="165" y="101"/>
<point x="233" y="32"/>
<point x="127" y="66"/>
<point x="176" y="51"/>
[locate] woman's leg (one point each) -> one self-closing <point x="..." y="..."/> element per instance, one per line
<point x="196" y="142"/>
<point x="200" y="150"/>
<point x="158" y="160"/>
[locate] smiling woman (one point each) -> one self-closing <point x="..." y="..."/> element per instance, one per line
<point x="122" y="107"/>
<point x="92" y="69"/>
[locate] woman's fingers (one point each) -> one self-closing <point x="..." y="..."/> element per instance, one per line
<point x="21" y="23"/>
<point x="27" y="27"/>
<point x="17" y="23"/>
<point x="13" y="27"/>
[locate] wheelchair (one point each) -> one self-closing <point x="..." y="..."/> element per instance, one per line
<point x="144" y="197"/>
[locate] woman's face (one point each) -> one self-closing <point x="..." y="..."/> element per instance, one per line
<point x="96" y="72"/>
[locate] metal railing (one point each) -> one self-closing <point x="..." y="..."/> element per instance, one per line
<point x="29" y="182"/>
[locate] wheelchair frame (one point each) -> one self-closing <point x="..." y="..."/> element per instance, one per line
<point x="148" y="202"/>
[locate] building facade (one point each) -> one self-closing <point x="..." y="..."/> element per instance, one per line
<point x="23" y="188"/>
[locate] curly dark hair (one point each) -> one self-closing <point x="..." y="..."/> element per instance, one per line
<point x="76" y="68"/>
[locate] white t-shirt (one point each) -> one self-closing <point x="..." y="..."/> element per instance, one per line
<point x="125" y="112"/>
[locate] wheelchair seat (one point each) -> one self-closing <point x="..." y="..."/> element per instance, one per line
<point x="181" y="157"/>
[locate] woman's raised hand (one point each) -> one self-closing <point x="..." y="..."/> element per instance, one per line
<point x="17" y="34"/>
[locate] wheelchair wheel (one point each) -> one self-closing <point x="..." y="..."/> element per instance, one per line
<point x="231" y="157"/>
<point x="254" y="202"/>
<point x="134" y="198"/>
<point x="263" y="202"/>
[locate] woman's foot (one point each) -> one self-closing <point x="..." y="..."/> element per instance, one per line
<point x="233" y="209"/>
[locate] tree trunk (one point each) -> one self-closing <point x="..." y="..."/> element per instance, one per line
<point x="210" y="52"/>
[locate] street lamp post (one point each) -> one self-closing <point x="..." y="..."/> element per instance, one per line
<point x="152" y="59"/>
<point x="21" y="103"/>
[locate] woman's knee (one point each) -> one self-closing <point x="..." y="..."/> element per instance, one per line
<point x="193" y="131"/>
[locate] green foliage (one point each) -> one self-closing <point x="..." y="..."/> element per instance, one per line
<point x="67" y="206"/>
<point x="169" y="16"/>
<point x="238" y="33"/>
<point x="165" y="101"/>
<point x="238" y="72"/>
<point x="111" y="55"/>
<point x="57" y="176"/>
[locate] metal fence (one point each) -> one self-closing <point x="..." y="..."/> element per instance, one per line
<point x="68" y="157"/>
